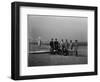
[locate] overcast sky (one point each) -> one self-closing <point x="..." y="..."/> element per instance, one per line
<point x="61" y="27"/>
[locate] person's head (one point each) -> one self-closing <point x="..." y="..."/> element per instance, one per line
<point x="76" y="41"/>
<point x="70" y="41"/>
<point x="62" y="40"/>
<point x="55" y="39"/>
<point x="66" y="40"/>
<point x="51" y="39"/>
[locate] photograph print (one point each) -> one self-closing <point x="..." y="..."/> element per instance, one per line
<point x="53" y="40"/>
<point x="57" y="40"/>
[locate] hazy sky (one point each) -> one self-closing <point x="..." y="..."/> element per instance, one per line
<point x="61" y="27"/>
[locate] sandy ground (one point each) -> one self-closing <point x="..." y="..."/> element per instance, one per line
<point x="48" y="59"/>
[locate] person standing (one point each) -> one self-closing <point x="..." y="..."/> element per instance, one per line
<point x="62" y="46"/>
<point x="56" y="44"/>
<point x="71" y="47"/>
<point x="76" y="47"/>
<point x="39" y="42"/>
<point x="59" y="48"/>
<point x="66" y="47"/>
<point x="52" y="46"/>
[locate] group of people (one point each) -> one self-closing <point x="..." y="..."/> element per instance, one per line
<point x="63" y="47"/>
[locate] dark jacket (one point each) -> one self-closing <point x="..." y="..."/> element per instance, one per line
<point x="51" y="44"/>
<point x="56" y="44"/>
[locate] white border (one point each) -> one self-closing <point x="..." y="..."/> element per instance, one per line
<point x="25" y="70"/>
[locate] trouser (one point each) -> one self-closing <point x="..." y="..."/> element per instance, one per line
<point x="76" y="52"/>
<point x="52" y="50"/>
<point x="56" y="50"/>
<point x="62" y="51"/>
<point x="66" y="51"/>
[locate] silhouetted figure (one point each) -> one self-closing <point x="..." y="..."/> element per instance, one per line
<point x="52" y="46"/>
<point x="76" y="47"/>
<point x="39" y="42"/>
<point x="66" y="47"/>
<point x="71" y="47"/>
<point x="59" y="48"/>
<point x="62" y="46"/>
<point x="56" y="44"/>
